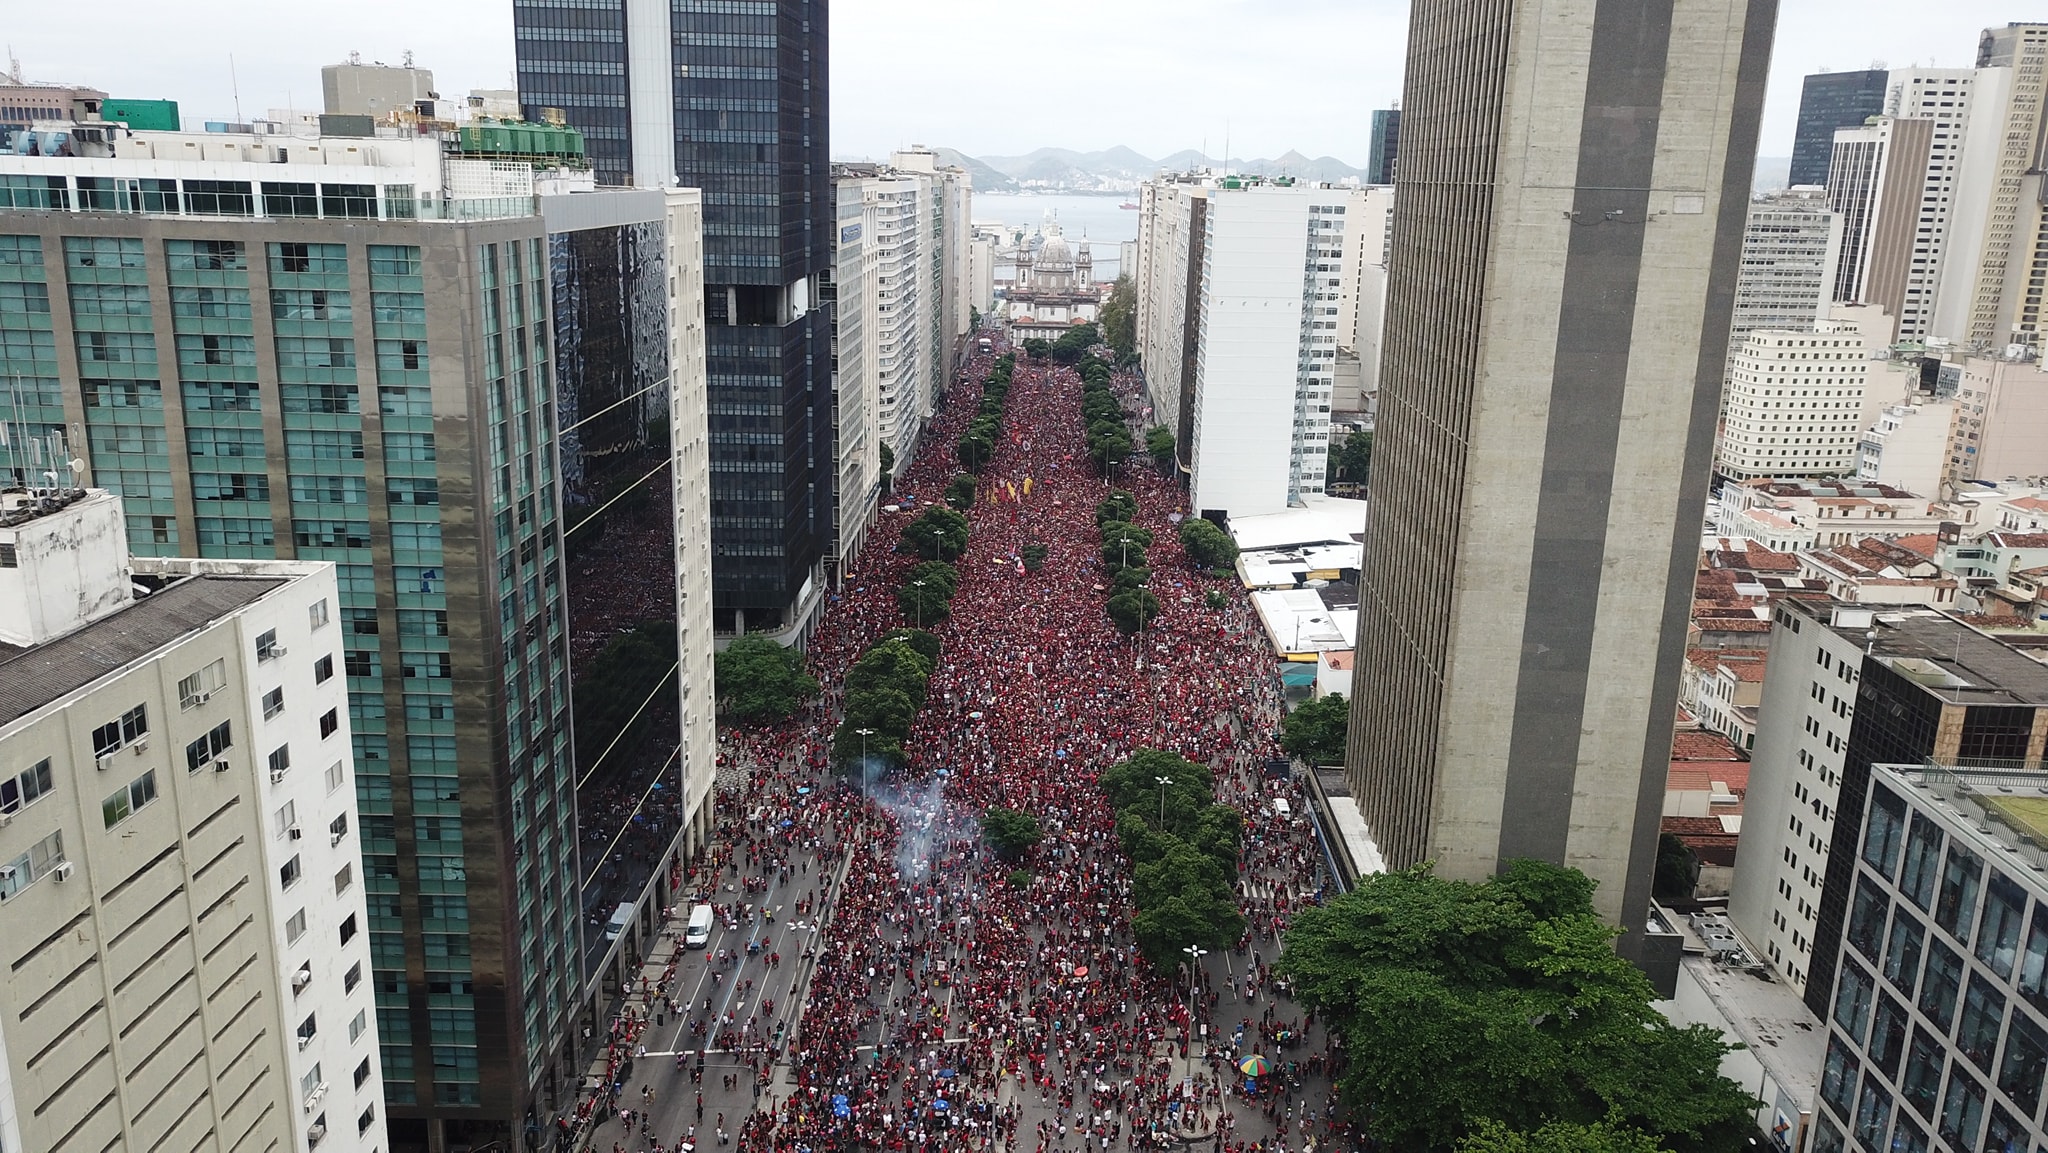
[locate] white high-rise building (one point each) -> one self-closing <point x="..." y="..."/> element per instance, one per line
<point x="1789" y="251"/>
<point x="689" y="398"/>
<point x="1949" y="200"/>
<point x="181" y="880"/>
<point x="1171" y="212"/>
<point x="1796" y="401"/>
<point x="1271" y="308"/>
<point x="904" y="277"/>
<point x="1364" y="304"/>
<point x="1877" y="183"/>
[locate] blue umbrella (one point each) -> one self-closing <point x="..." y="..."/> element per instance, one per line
<point x="839" y="1106"/>
<point x="787" y="823"/>
<point x="946" y="1074"/>
<point x="940" y="1106"/>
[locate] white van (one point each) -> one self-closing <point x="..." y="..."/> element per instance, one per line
<point x="1281" y="808"/>
<point x="621" y="917"/>
<point x="698" y="934"/>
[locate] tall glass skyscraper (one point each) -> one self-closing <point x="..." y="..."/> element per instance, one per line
<point x="1827" y="101"/>
<point x="728" y="96"/>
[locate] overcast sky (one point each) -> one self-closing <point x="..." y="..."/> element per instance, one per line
<point x="984" y="76"/>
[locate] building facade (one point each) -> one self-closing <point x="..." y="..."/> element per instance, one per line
<point x="1877" y="186"/>
<point x="1827" y="101"/>
<point x="183" y="886"/>
<point x="1790" y="247"/>
<point x="1386" y="146"/>
<point x="1937" y="1014"/>
<point x="1797" y="400"/>
<point x="1172" y="224"/>
<point x="1907" y="446"/>
<point x="375" y="391"/>
<point x="2001" y="425"/>
<point x="1540" y="347"/>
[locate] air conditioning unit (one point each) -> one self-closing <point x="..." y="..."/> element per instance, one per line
<point x="277" y="776"/>
<point x="140" y="745"/>
<point x="6" y="819"/>
<point x="332" y="838"/>
<point x="315" y="1133"/>
<point x="304" y="1042"/>
<point x="63" y="871"/>
<point x="103" y="761"/>
<point x="220" y="766"/>
<point x="278" y="650"/>
<point x="7" y="873"/>
<point x="295" y="832"/>
<point x="302" y="978"/>
<point x="204" y="697"/>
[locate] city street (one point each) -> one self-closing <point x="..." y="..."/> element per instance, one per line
<point x="877" y="980"/>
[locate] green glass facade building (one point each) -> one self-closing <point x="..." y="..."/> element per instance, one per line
<point x="380" y="393"/>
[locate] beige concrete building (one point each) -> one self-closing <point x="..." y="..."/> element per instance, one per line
<point x="1798" y="402"/>
<point x="182" y="890"/>
<point x="2001" y="426"/>
<point x="1878" y="184"/>
<point x="1568" y="220"/>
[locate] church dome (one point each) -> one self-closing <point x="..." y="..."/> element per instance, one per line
<point x="1055" y="250"/>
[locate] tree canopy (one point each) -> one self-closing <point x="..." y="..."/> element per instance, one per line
<point x="1491" y="1136"/>
<point x="1159" y="446"/>
<point x="939" y="534"/>
<point x="927" y="593"/>
<point x="1010" y="832"/>
<point x="1132" y="609"/>
<point x="759" y="680"/>
<point x="1120" y="316"/>
<point x="1315" y="732"/>
<point x="1206" y="545"/>
<point x="1354" y="459"/>
<point x="1117" y="506"/>
<point x="1183" y="849"/>
<point x="1505" y="1001"/>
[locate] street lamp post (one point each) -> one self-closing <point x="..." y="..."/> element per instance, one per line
<point x="865" y="791"/>
<point x="919" y="598"/>
<point x="1195" y="954"/>
<point x="1163" y="782"/>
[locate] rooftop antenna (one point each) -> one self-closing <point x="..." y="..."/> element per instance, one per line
<point x="235" y="85"/>
<point x="407" y="58"/>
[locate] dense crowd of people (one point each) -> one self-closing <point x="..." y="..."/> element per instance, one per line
<point x="962" y="1002"/>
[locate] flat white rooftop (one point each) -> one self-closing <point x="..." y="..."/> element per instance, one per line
<point x="1320" y="520"/>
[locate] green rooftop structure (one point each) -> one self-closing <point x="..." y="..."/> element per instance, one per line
<point x="142" y="115"/>
<point x="542" y="145"/>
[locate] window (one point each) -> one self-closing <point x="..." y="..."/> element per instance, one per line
<point x="1867" y="917"/>
<point x="316" y="613"/>
<point x="337" y="774"/>
<point x="293" y="930"/>
<point x="1923" y="856"/>
<point x="344" y="878"/>
<point x="25" y="869"/>
<point x="280" y="758"/>
<point x="1852" y="1000"/>
<point x="1902" y="951"/>
<point x="337" y="828"/>
<point x="1886" y="829"/>
<point x="2033" y="975"/>
<point x="1962" y="1111"/>
<point x="348" y="933"/>
<point x="2026" y="1059"/>
<point x="1938" y="986"/>
<point x="310" y="1083"/>
<point x="273" y="702"/>
<point x="1873" y="1111"/>
<point x="288" y="874"/>
<point x="1977" y="1034"/>
<point x="1888" y="1027"/>
<point x="323" y="669"/>
<point x="1998" y="934"/>
<point x="329" y="722"/>
<point x="26" y="787"/>
<point x="132" y="726"/>
<point x="1955" y="899"/>
<point x="125" y="802"/>
<point x="209" y="747"/>
<point x="359" y="1024"/>
<point x="1923" y="1072"/>
<point x="307" y="1028"/>
<point x="1838" y="1076"/>
<point x="266" y="644"/>
<point x="368" y="1118"/>
<point x="210" y="679"/>
<point x="362" y="1072"/>
<point x="286" y="816"/>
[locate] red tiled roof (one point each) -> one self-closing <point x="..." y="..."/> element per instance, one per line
<point x="1924" y="543"/>
<point x="1698" y="745"/>
<point x="2018" y="539"/>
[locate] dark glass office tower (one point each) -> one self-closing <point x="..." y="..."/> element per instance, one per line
<point x="751" y="132"/>
<point x="740" y="91"/>
<point x="1831" y="100"/>
<point x="1386" y="146"/>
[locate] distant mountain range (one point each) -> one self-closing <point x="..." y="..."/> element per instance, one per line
<point x="1121" y="169"/>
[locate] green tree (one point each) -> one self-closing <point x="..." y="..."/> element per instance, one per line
<point x="1120" y="316"/>
<point x="1315" y="732"/>
<point x="1460" y="1003"/>
<point x="925" y="600"/>
<point x="1132" y="609"/>
<point x="1009" y="832"/>
<point x="888" y="464"/>
<point x="1037" y="346"/>
<point x="1109" y="449"/>
<point x="924" y="644"/>
<point x="1490" y="1136"/>
<point x="1117" y="506"/>
<point x="1215" y="599"/>
<point x="960" y="491"/>
<point x="939" y="534"/>
<point x="1034" y="555"/>
<point x="975" y="449"/>
<point x="1207" y="546"/>
<point x="760" y="681"/>
<point x="1124" y="544"/>
<point x="1159" y="446"/>
<point x="1678" y="869"/>
<point x="1354" y="460"/>
<point x="1131" y="578"/>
